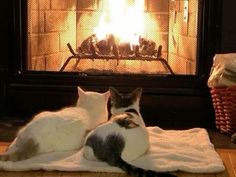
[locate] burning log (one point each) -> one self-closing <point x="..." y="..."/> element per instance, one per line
<point x="107" y="46"/>
<point x="111" y="47"/>
<point x="125" y="49"/>
<point x="147" y="47"/>
<point x="87" y="46"/>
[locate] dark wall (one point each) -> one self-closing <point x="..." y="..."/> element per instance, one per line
<point x="4" y="54"/>
<point x="228" y="26"/>
<point x="4" y="27"/>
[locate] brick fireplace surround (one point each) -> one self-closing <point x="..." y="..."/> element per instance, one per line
<point x="54" y="23"/>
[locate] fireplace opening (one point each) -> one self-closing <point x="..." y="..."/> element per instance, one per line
<point x="113" y="37"/>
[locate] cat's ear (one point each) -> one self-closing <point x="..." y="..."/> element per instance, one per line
<point x="113" y="93"/>
<point x="137" y="93"/>
<point x="106" y="94"/>
<point x="81" y="92"/>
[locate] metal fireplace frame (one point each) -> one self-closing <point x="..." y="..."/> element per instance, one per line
<point x="53" y="90"/>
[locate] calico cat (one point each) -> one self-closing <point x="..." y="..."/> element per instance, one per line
<point x="61" y="130"/>
<point x="123" y="138"/>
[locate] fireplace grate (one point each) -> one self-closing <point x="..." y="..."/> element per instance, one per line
<point x="136" y="56"/>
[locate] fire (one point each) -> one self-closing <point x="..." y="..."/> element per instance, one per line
<point x="124" y="19"/>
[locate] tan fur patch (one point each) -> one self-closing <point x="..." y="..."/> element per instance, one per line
<point x="27" y="148"/>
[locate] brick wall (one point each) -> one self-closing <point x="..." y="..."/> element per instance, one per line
<point x="183" y="37"/>
<point x="51" y="25"/>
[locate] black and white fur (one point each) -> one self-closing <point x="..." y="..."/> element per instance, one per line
<point x="123" y="138"/>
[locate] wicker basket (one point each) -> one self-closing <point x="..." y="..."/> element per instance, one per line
<point x="224" y="102"/>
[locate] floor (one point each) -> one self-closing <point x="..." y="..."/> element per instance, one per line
<point x="220" y="140"/>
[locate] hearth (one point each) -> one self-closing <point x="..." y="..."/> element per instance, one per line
<point x="165" y="47"/>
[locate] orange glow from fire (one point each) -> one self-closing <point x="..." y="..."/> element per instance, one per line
<point x="124" y="19"/>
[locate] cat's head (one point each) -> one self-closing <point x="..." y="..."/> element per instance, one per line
<point x="95" y="103"/>
<point x="124" y="101"/>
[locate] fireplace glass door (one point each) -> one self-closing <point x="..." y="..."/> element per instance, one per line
<point x="113" y="36"/>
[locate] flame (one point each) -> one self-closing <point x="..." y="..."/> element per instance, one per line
<point x="124" y="19"/>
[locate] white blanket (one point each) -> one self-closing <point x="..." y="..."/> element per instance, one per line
<point x="171" y="150"/>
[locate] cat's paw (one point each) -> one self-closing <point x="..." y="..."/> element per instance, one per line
<point x="89" y="154"/>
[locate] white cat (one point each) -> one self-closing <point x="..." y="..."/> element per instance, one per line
<point x="61" y="130"/>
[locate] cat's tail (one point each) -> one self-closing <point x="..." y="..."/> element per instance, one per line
<point x="27" y="148"/>
<point x="140" y="172"/>
<point x="16" y="156"/>
<point x="9" y="157"/>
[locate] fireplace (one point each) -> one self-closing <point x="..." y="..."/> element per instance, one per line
<point x="114" y="37"/>
<point x="169" y="56"/>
